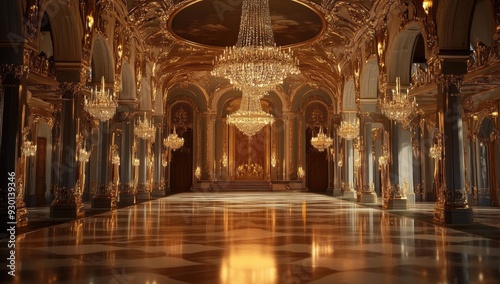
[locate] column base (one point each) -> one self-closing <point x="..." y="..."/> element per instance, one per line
<point x="368" y="197"/>
<point x="199" y="185"/>
<point x="103" y="203"/>
<point x="337" y="192"/>
<point x="411" y="197"/>
<point x="397" y="204"/>
<point x="157" y="193"/>
<point x="143" y="196"/>
<point x="453" y="216"/>
<point x="279" y="185"/>
<point x="126" y="199"/>
<point x="350" y="195"/>
<point x="68" y="210"/>
<point x="21" y="216"/>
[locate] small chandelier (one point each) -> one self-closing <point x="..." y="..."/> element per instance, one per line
<point x="349" y="130"/>
<point x="28" y="148"/>
<point x="250" y="118"/>
<point x="144" y="129"/>
<point x="101" y="105"/>
<point x="399" y="107"/>
<point x="255" y="61"/>
<point x="321" y="142"/>
<point x="173" y="141"/>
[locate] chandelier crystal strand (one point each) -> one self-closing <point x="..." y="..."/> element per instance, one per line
<point x="144" y="129"/>
<point x="399" y="107"/>
<point x="250" y="118"/>
<point x="321" y="141"/>
<point x="255" y="61"/>
<point x="101" y="105"/>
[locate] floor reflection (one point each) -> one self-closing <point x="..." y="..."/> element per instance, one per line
<point x="278" y="237"/>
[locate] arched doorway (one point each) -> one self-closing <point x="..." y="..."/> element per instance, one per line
<point x="486" y="191"/>
<point x="181" y="165"/>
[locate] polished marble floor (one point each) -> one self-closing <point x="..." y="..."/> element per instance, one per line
<point x="268" y="237"/>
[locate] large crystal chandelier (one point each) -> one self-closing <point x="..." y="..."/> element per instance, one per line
<point x="250" y="118"/>
<point x="255" y="61"/>
<point x="321" y="141"/>
<point x="144" y="129"/>
<point x="399" y="107"/>
<point x="173" y="141"/>
<point x="349" y="130"/>
<point x="101" y="105"/>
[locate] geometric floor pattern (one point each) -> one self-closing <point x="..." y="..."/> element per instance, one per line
<point x="251" y="237"/>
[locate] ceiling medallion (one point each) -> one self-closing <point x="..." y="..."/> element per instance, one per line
<point x="399" y="107"/>
<point x="101" y="105"/>
<point x="255" y="62"/>
<point x="250" y="118"/>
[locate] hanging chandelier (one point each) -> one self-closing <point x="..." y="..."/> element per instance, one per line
<point x="349" y="130"/>
<point x="173" y="141"/>
<point x="250" y="118"/>
<point x="144" y="129"/>
<point x="321" y="141"/>
<point x="255" y="61"/>
<point x="101" y="105"/>
<point x="399" y="107"/>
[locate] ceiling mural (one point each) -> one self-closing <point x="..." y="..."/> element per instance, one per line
<point x="216" y="23"/>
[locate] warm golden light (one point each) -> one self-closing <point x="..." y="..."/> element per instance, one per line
<point x="255" y="61"/>
<point x="252" y="264"/>
<point x="427" y="5"/>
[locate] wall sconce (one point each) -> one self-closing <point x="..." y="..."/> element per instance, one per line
<point x="115" y="160"/>
<point x="197" y="172"/>
<point x="427" y="5"/>
<point x="273" y="160"/>
<point x="136" y="162"/>
<point x="28" y="148"/>
<point x="301" y="173"/>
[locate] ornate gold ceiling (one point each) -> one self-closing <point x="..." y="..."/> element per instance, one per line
<point x="214" y="23"/>
<point x="185" y="36"/>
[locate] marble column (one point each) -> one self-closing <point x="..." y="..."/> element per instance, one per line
<point x="158" y="183"/>
<point x="397" y="198"/>
<point x="127" y="191"/>
<point x="368" y="194"/>
<point x="10" y="132"/>
<point x="68" y="201"/>
<point x="349" y="192"/>
<point x="104" y="199"/>
<point x="452" y="206"/>
<point x="143" y="187"/>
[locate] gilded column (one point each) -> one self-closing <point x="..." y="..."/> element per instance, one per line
<point x="452" y="206"/>
<point x="159" y="182"/>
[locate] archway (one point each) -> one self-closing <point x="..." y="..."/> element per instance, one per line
<point x="181" y="165"/>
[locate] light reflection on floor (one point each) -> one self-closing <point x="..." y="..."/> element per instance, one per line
<point x="271" y="237"/>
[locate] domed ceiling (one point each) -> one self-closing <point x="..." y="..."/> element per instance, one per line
<point x="216" y="24"/>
